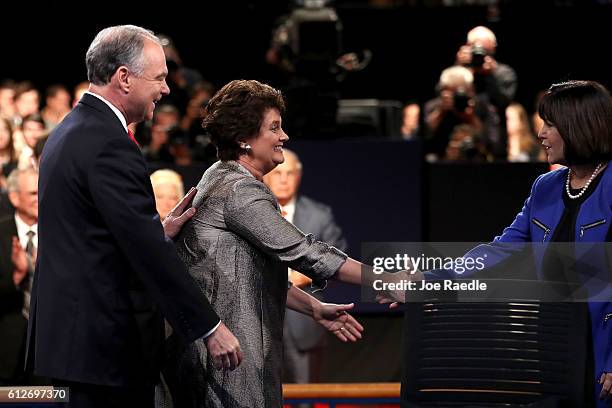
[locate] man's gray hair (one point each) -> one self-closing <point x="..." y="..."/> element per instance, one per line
<point x="12" y="181"/>
<point x="298" y="163"/>
<point x="456" y="76"/>
<point x="114" y="47"/>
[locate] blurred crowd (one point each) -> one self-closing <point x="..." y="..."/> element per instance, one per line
<point x="474" y="116"/>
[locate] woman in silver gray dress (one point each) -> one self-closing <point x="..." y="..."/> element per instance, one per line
<point x="238" y="247"/>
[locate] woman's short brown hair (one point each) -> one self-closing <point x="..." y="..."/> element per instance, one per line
<point x="236" y="113"/>
<point x="582" y="113"/>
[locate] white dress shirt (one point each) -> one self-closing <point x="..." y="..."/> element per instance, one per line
<point x="22" y="232"/>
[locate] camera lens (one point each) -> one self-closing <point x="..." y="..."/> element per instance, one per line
<point x="478" y="55"/>
<point x="461" y="100"/>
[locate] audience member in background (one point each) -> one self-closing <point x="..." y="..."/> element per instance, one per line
<point x="38" y="149"/>
<point x="411" y="121"/>
<point x="165" y="120"/>
<point x="522" y="143"/>
<point x="201" y="148"/>
<point x="8" y="156"/>
<point x="458" y="104"/>
<point x="494" y="82"/>
<point x="465" y="145"/>
<point x="27" y="100"/>
<point x="7" y="99"/>
<point x="181" y="80"/>
<point x="32" y="129"/>
<point x="168" y="190"/>
<point x="191" y="122"/>
<point x="57" y="105"/>
<point x="303" y="338"/>
<point x="18" y="243"/>
<point x="8" y="162"/>
<point x="78" y="92"/>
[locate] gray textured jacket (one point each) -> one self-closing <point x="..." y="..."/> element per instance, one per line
<point x="238" y="248"/>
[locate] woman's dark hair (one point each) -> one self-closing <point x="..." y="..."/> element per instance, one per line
<point x="582" y="113"/>
<point x="236" y="113"/>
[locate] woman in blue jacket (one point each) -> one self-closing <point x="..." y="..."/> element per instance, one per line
<point x="571" y="204"/>
<point x="574" y="204"/>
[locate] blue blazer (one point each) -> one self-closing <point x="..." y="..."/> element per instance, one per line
<point x="536" y="223"/>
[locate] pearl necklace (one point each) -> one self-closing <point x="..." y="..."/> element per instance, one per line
<point x="586" y="186"/>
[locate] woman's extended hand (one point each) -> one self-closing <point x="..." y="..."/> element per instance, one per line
<point x="336" y="320"/>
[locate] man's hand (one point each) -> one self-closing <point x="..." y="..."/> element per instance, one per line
<point x="224" y="348"/>
<point x="336" y="320"/>
<point x="464" y="55"/>
<point x="20" y="262"/>
<point x="606" y="386"/>
<point x="180" y="214"/>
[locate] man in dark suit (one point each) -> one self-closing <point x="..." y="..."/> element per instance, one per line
<point x="106" y="271"/>
<point x="302" y="336"/>
<point x="17" y="232"/>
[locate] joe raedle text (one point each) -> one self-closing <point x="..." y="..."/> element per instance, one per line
<point x="446" y="285"/>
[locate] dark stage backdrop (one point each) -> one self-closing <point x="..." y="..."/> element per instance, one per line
<point x="411" y="45"/>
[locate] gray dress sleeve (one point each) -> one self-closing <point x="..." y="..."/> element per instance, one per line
<point x="251" y="211"/>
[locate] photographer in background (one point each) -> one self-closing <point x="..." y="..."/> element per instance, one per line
<point x="458" y="104"/>
<point x="494" y="82"/>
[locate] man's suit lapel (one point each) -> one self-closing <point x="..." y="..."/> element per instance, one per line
<point x="91" y="102"/>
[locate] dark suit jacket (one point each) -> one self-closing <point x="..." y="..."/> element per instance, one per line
<point x="13" y="325"/>
<point x="312" y="217"/>
<point x="104" y="268"/>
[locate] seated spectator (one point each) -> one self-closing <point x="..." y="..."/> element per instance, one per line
<point x="8" y="162"/>
<point x="78" y="92"/>
<point x="18" y="244"/>
<point x="458" y="104"/>
<point x="411" y="121"/>
<point x="168" y="190"/>
<point x="57" y="105"/>
<point x="27" y="99"/>
<point x="7" y="99"/>
<point x="303" y="338"/>
<point x="32" y="129"/>
<point x="38" y="149"/>
<point x="8" y="156"/>
<point x="522" y="143"/>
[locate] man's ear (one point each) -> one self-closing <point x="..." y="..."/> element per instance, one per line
<point x="123" y="78"/>
<point x="14" y="198"/>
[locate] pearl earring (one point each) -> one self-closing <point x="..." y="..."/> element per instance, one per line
<point x="246" y="146"/>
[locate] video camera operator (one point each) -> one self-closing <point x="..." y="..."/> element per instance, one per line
<point x="458" y="104"/>
<point x="306" y="51"/>
<point x="494" y="82"/>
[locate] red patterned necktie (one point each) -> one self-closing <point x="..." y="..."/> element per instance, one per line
<point x="132" y="137"/>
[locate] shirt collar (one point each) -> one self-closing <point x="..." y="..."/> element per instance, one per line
<point x="113" y="108"/>
<point x="23" y="228"/>
<point x="289" y="208"/>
